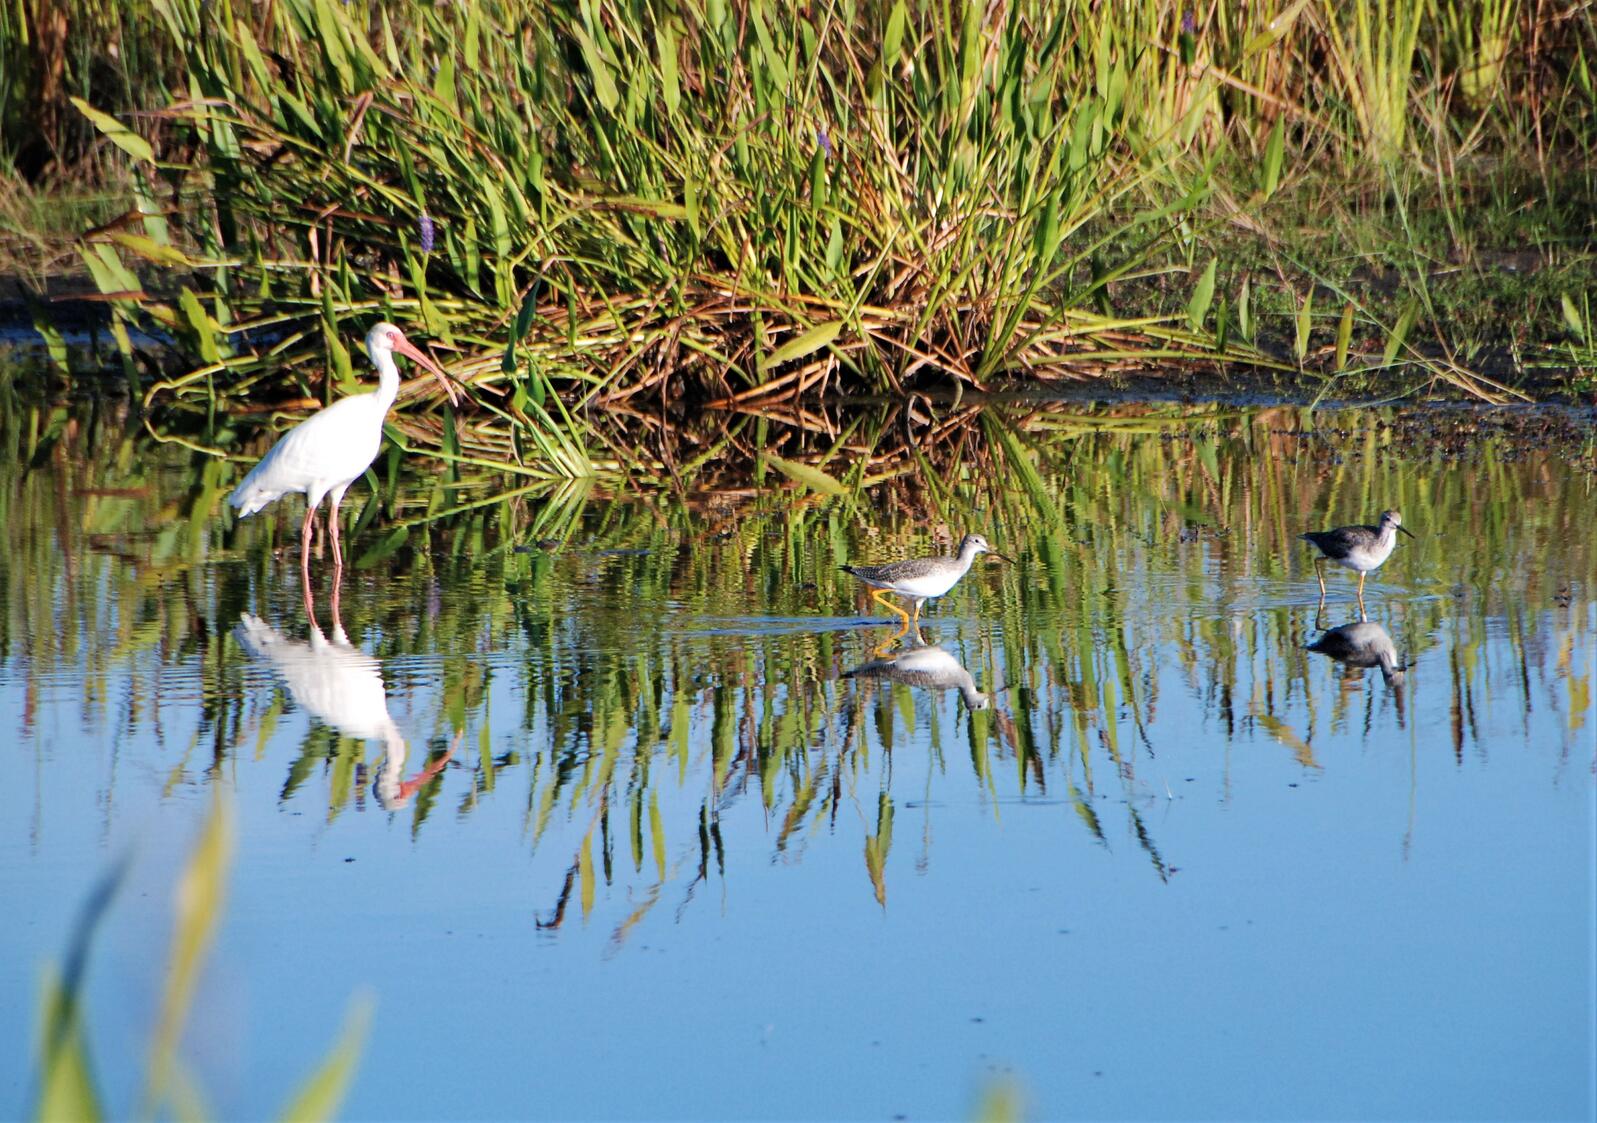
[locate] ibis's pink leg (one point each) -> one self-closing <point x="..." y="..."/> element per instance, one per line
<point x="305" y="545"/>
<point x="338" y="582"/>
<point x="410" y="787"/>
<point x="333" y="521"/>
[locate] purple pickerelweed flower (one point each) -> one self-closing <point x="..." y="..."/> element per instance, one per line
<point x="425" y="231"/>
<point x="825" y="142"/>
<point x="1189" y="23"/>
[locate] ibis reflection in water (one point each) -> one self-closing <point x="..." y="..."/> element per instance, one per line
<point x="342" y="687"/>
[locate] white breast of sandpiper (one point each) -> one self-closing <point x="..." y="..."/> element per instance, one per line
<point x="929" y="585"/>
<point x="1369" y="555"/>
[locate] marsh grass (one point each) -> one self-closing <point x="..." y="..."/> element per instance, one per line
<point x="738" y="204"/>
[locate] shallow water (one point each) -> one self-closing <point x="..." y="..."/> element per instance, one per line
<point x="613" y="808"/>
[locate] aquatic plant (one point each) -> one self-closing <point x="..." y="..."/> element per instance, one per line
<point x="734" y="202"/>
<point x="66" y="1088"/>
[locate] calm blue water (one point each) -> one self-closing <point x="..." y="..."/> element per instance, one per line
<point x="678" y="864"/>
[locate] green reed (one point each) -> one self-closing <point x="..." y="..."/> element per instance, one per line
<point x="66" y="1087"/>
<point x="596" y="208"/>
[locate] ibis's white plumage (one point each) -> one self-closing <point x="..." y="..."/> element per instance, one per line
<point x="324" y="454"/>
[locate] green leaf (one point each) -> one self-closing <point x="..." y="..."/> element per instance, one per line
<point x="1273" y="151"/>
<point x="1047" y="243"/>
<point x="201" y="325"/>
<point x="604" y="86"/>
<point x="1202" y="297"/>
<point x="385" y="546"/>
<point x="116" y="132"/>
<point x="331" y="36"/>
<point x="1405" y="321"/>
<point x="665" y="43"/>
<point x="812" y="478"/>
<point x="806" y="343"/>
<point x="893" y="37"/>
<point x="1305" y="321"/>
<point x="1344" y="335"/>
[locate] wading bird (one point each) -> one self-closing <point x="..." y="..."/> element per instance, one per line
<point x="325" y="453"/>
<point x="919" y="580"/>
<point x="1359" y="548"/>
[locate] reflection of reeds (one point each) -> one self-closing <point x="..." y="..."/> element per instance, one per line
<point x="673" y="661"/>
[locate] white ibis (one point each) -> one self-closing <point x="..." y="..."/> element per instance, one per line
<point x="325" y="453"/>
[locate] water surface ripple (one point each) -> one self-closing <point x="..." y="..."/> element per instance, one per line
<point x="641" y="822"/>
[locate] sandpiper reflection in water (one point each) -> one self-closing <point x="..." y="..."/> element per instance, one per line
<point x="928" y="666"/>
<point x="342" y="687"/>
<point x="1362" y="644"/>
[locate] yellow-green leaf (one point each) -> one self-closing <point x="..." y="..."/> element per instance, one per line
<point x="812" y="478"/>
<point x="813" y="340"/>
<point x="202" y="326"/>
<point x="1572" y="319"/>
<point x="66" y="1085"/>
<point x="585" y="874"/>
<point x="1344" y="335"/>
<point x="150" y="249"/>
<point x="198" y="907"/>
<point x="115" y="131"/>
<point x="321" y="1095"/>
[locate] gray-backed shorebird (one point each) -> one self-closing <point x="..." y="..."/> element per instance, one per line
<point x="1359" y="548"/>
<point x="919" y="580"/>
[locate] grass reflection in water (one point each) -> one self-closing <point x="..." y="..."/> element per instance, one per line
<point x="625" y="670"/>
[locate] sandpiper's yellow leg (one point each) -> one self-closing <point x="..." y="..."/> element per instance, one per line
<point x="877" y="595"/>
<point x="1319" y="572"/>
<point x="915" y="623"/>
<point x="1362" y="614"/>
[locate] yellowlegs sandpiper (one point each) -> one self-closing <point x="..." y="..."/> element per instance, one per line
<point x="919" y="580"/>
<point x="1359" y="548"/>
